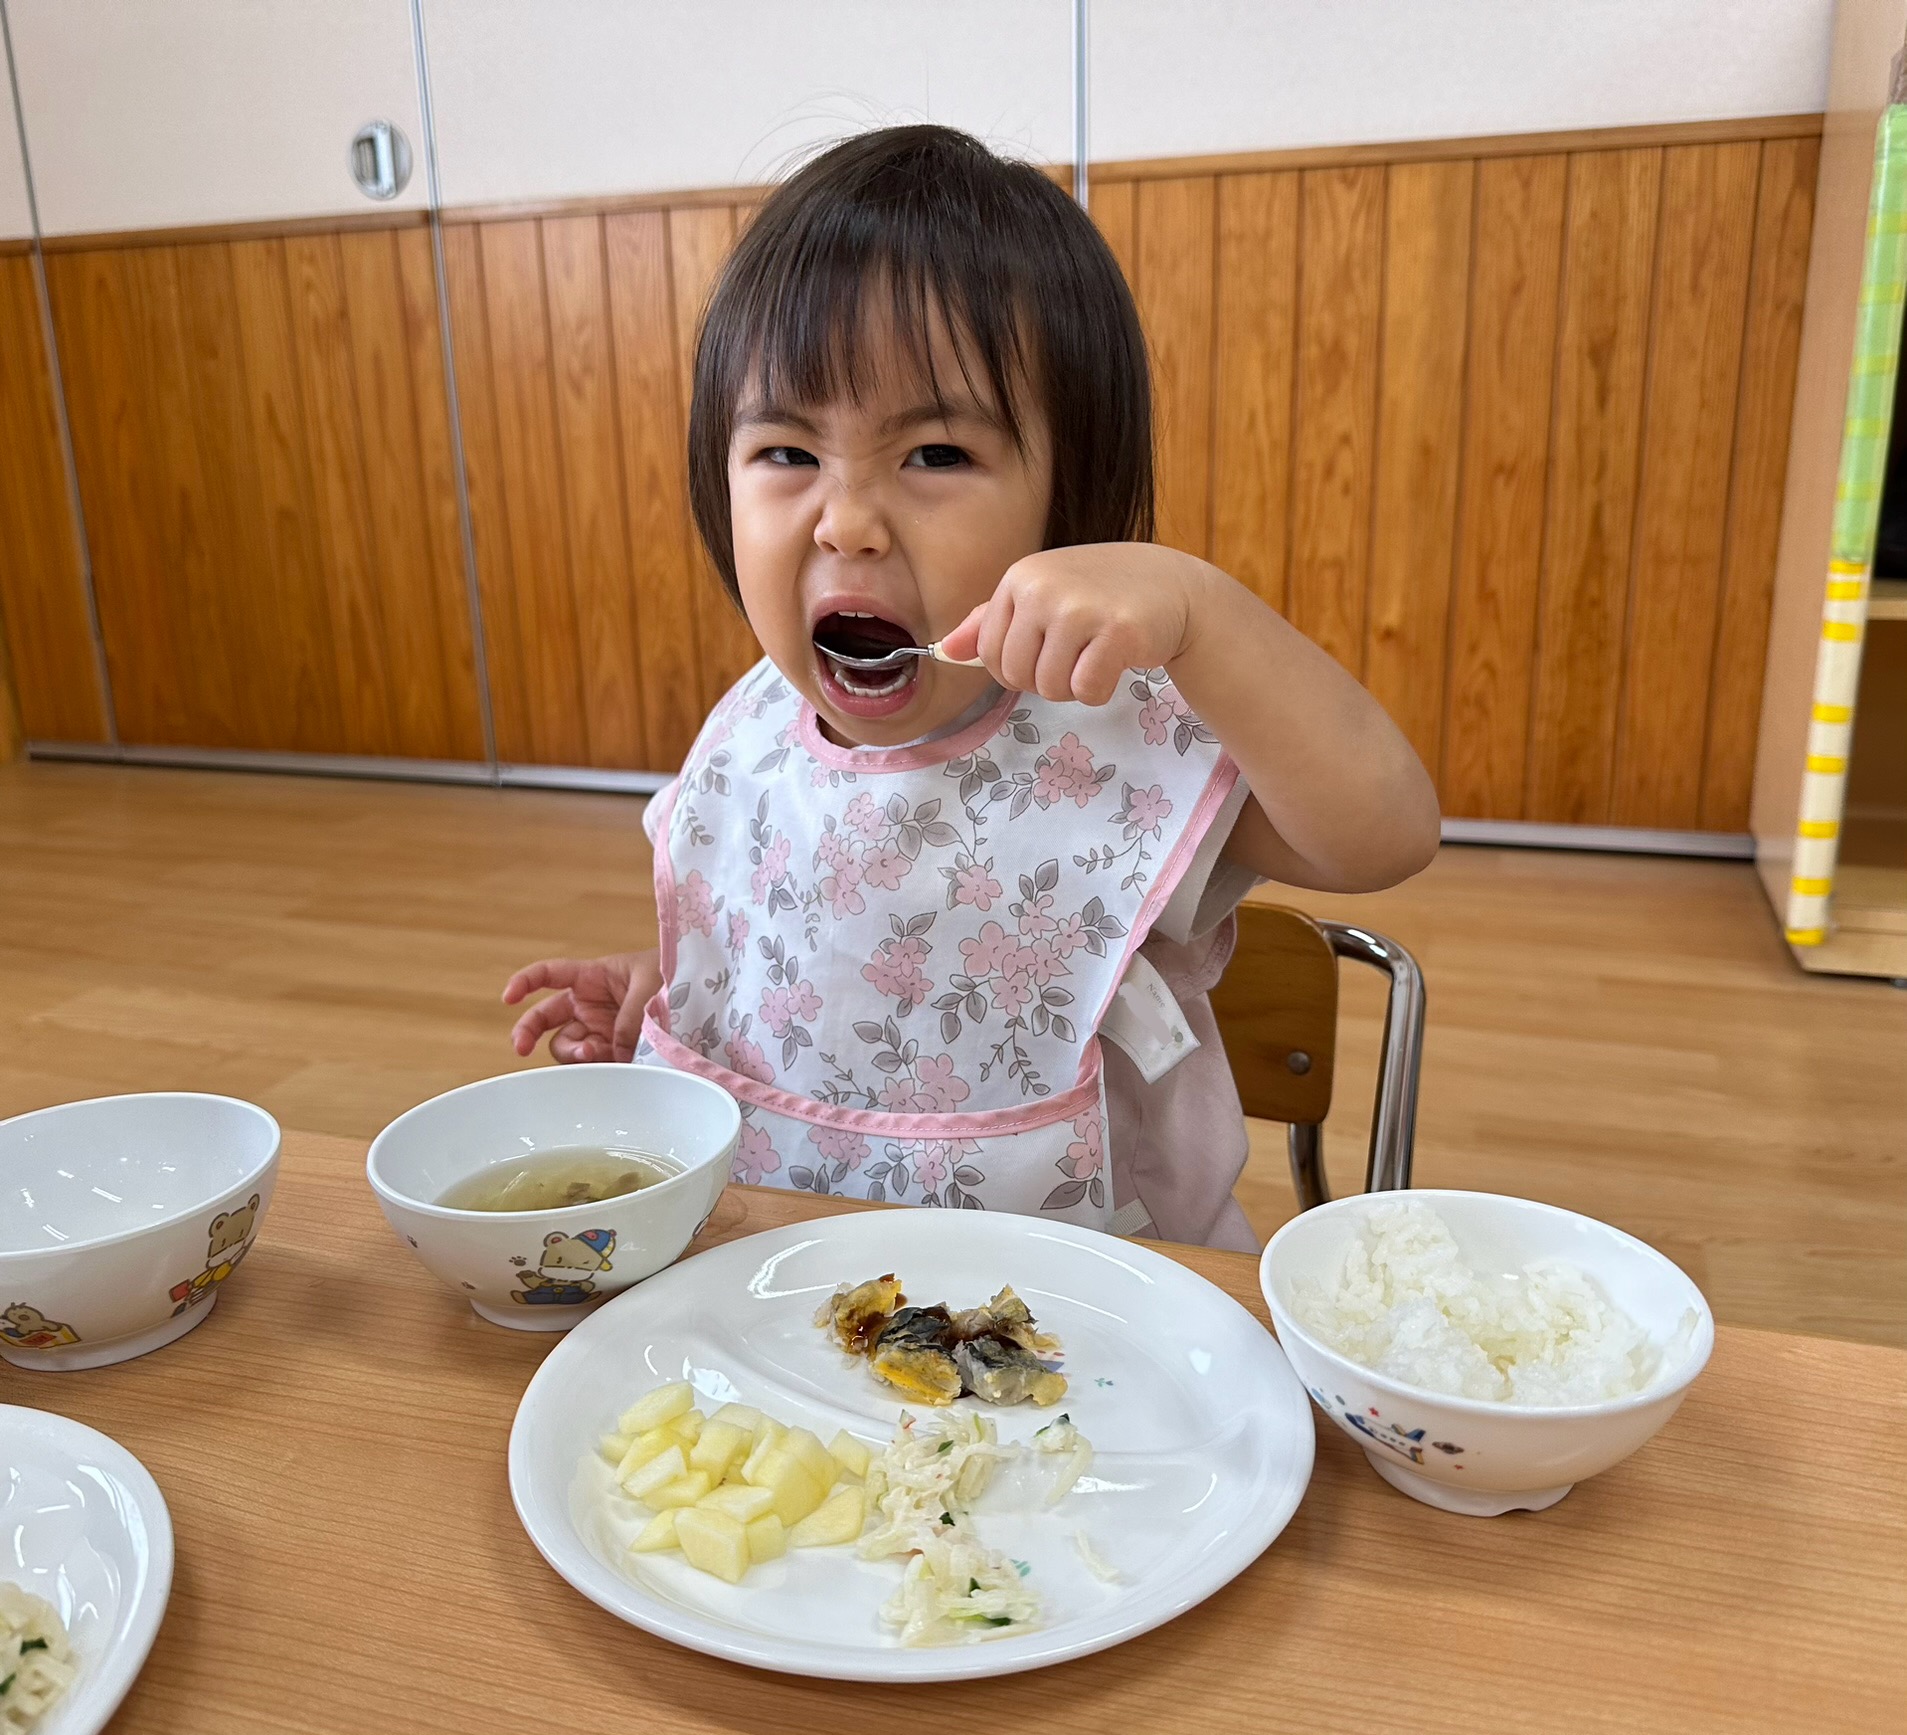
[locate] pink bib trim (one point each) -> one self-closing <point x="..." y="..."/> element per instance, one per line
<point x="925" y="754"/>
<point x="878" y="1123"/>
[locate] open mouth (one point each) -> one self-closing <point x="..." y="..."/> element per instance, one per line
<point x="865" y="692"/>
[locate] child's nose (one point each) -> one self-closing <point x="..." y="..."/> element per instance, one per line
<point x="851" y="523"/>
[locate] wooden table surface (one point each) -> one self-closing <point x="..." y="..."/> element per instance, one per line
<point x="332" y="1440"/>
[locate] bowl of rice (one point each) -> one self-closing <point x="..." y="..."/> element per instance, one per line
<point x="1486" y="1352"/>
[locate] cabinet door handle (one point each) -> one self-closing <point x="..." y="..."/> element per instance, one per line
<point x="380" y="160"/>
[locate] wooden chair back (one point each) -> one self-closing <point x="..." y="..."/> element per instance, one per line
<point x="1277" y="1011"/>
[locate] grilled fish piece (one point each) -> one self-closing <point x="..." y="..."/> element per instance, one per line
<point x="998" y="1371"/>
<point x="858" y="1315"/>
<point x="1006" y="1317"/>
<point x="914" y="1353"/>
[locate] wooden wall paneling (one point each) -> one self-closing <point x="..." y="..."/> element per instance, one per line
<point x="234" y="619"/>
<point x="1114" y="205"/>
<point x="1506" y="427"/>
<point x="420" y="605"/>
<point x="312" y="717"/>
<point x="497" y="587"/>
<point x="532" y="490"/>
<point x="1608" y="266"/>
<point x="1176" y="254"/>
<point x="1253" y="354"/>
<point x="43" y="612"/>
<point x="181" y="575"/>
<point x="699" y="240"/>
<point x="1420" y="415"/>
<point x="327" y="384"/>
<point x="1701" y="293"/>
<point x="459" y="718"/>
<point x="663" y="570"/>
<point x="1771" y="347"/>
<point x="1340" y="282"/>
<point x="584" y="380"/>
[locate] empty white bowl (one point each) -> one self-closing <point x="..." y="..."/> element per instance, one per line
<point x="1469" y="1455"/>
<point x="543" y="1270"/>
<point x="119" y="1219"/>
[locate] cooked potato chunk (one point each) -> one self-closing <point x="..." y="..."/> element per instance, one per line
<point x="767" y="1538"/>
<point x="659" y="1472"/>
<point x="738" y="1501"/>
<point x="658" y="1534"/>
<point x="849" y="1453"/>
<point x="720" y="1445"/>
<point x="663" y="1404"/>
<point x="715" y="1542"/>
<point x="838" y="1519"/>
<point x="684" y="1491"/>
<point x="613" y="1446"/>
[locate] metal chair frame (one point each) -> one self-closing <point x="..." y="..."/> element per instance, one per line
<point x="1394" y="1112"/>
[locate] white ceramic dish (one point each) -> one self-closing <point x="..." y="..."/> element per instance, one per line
<point x="1463" y="1454"/>
<point x="121" y="1217"/>
<point x="544" y="1270"/>
<point x="83" y="1525"/>
<point x="1202" y="1434"/>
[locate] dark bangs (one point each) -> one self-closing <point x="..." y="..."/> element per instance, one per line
<point x="926" y="225"/>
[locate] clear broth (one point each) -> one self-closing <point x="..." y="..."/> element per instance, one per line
<point x="555" y="1180"/>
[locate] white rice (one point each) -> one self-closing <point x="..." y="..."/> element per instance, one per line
<point x="1405" y="1304"/>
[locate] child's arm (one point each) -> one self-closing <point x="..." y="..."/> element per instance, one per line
<point x="596" y="1011"/>
<point x="1339" y="801"/>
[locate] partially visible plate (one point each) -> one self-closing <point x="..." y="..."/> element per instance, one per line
<point x="1202" y="1432"/>
<point x="84" y="1526"/>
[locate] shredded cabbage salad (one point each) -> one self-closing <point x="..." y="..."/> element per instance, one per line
<point x="36" y="1662"/>
<point x="920" y="1493"/>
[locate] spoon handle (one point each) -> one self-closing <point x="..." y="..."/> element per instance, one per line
<point x="941" y="656"/>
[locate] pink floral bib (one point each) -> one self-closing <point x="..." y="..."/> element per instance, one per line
<point x="897" y="960"/>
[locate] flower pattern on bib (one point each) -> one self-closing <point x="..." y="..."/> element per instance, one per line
<point x="929" y="933"/>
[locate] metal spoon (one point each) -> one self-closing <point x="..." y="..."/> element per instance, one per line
<point x="879" y="665"/>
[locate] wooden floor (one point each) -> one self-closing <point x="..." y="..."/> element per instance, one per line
<point x="1623" y="1035"/>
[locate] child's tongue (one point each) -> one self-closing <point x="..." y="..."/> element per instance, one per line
<point x="860" y="635"/>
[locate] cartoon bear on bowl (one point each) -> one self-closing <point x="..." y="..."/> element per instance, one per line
<point x="229" y="1237"/>
<point x="567" y="1272"/>
<point x="26" y="1327"/>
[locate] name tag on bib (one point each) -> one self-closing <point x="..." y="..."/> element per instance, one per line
<point x="1145" y="1020"/>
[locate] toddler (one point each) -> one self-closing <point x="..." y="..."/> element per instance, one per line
<point x="903" y="897"/>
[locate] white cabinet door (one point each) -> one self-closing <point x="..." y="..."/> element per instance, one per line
<point x="156" y="114"/>
<point x="587" y="98"/>
<point x="16" y="217"/>
<point x="1206" y="77"/>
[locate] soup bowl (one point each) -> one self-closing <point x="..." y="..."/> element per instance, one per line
<point x="543" y="1270"/>
<point x="121" y="1217"/>
<point x="1470" y="1455"/>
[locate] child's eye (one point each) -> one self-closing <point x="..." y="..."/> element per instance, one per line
<point x="791" y="455"/>
<point x="936" y="458"/>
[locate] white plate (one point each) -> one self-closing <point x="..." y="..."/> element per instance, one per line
<point x="1202" y="1432"/>
<point x="83" y="1525"/>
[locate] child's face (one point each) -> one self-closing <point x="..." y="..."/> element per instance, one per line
<point x="888" y="508"/>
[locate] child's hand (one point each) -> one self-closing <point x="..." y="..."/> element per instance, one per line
<point x="596" y="1011"/>
<point x="1067" y="623"/>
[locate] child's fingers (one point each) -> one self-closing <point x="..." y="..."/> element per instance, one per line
<point x="544" y="973"/>
<point x="545" y="1015"/>
<point x="628" y="1028"/>
<point x="1101" y="667"/>
<point x="962" y="645"/>
<point x="1018" y="660"/>
<point x="573" y="1044"/>
<point x="1054" y="674"/>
